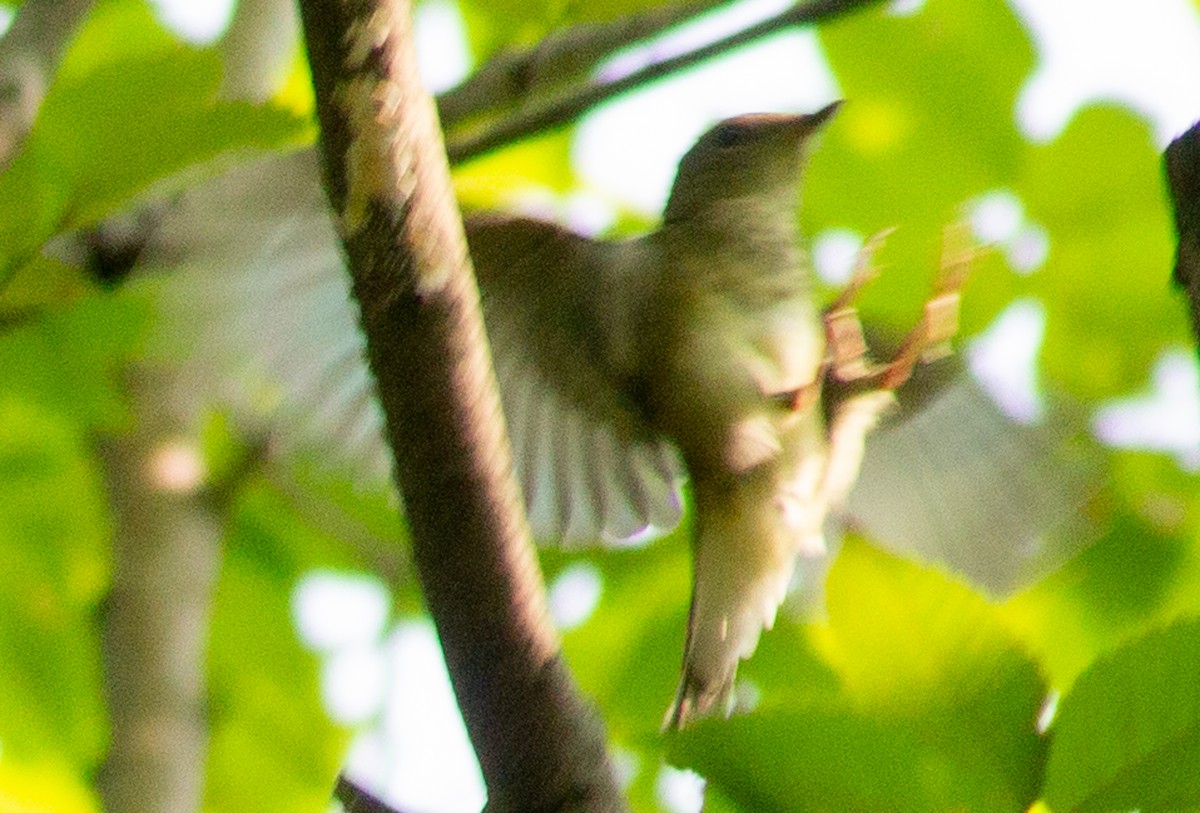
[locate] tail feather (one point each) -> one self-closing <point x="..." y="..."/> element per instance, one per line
<point x="747" y="540"/>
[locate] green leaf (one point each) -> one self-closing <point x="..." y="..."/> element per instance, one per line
<point x="912" y="645"/>
<point x="45" y="786"/>
<point x="627" y="655"/>
<point x="1128" y="734"/>
<point x="1097" y="190"/>
<point x="268" y="728"/>
<point x="822" y="757"/>
<point x="117" y="121"/>
<point x="937" y="708"/>
<point x="68" y="361"/>
<point x="927" y="126"/>
<point x="1143" y="571"/>
<point x="53" y="569"/>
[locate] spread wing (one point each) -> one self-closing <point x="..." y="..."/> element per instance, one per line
<point x="246" y="273"/>
<point x="959" y="483"/>
<point x="562" y="314"/>
<point x="256" y="301"/>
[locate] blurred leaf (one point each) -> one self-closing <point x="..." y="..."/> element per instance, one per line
<point x="1128" y="735"/>
<point x="928" y="125"/>
<point x="538" y="165"/>
<point x="627" y="655"/>
<point x="787" y="668"/>
<point x="937" y="710"/>
<point x="53" y="569"/>
<point x="1138" y="574"/>
<point x="43" y="788"/>
<point x="268" y="728"/>
<point x="131" y="106"/>
<point x="912" y="645"/>
<point x="69" y="361"/>
<point x="823" y="757"/>
<point x="320" y="521"/>
<point x="1097" y="190"/>
<point x="44" y="283"/>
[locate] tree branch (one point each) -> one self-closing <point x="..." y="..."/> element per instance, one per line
<point x="569" y="108"/>
<point x="356" y="799"/>
<point x="389" y="185"/>
<point x="257" y="48"/>
<point x="29" y="56"/>
<point x="1182" y="163"/>
<point x="166" y="548"/>
<point x="512" y="78"/>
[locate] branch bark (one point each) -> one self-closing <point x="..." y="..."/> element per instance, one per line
<point x="29" y="56"/>
<point x="1182" y="164"/>
<point x="388" y="181"/>
<point x="166" y="549"/>
<point x="356" y="799"/>
<point x="511" y="78"/>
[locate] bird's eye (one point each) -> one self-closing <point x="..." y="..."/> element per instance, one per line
<point x="731" y="134"/>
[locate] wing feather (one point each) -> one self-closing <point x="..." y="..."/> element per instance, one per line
<point x="257" y="302"/>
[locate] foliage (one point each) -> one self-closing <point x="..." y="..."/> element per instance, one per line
<point x="913" y="691"/>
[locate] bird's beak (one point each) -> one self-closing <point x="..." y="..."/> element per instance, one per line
<point x="798" y="129"/>
<point x="817" y="120"/>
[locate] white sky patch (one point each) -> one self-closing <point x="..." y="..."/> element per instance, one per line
<point x="354" y="683"/>
<point x="1093" y="50"/>
<point x="1004" y="360"/>
<point x="1028" y="249"/>
<point x="368" y="761"/>
<point x="629" y="149"/>
<point x="588" y="214"/>
<point x="905" y="8"/>
<point x="626" y="765"/>
<point x="429" y="764"/>
<point x="574" y="595"/>
<point x="6" y="18"/>
<point x="998" y="218"/>
<point x="679" y="791"/>
<point x="1167" y="419"/>
<point x="443" y="57"/>
<point x="199" y="23"/>
<point x="834" y="254"/>
<point x="338" y="610"/>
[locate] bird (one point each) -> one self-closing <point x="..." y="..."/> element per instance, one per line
<point x="692" y="354"/>
<point x="703" y="338"/>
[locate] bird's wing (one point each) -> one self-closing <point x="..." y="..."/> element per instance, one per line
<point x="561" y="313"/>
<point x="958" y="483"/>
<point x="246" y="273"/>
<point x="256" y="302"/>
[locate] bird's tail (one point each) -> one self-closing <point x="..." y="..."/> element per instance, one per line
<point x="748" y="534"/>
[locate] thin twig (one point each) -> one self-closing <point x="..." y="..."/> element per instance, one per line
<point x="566" y="110"/>
<point x="357" y="800"/>
<point x="513" y="78"/>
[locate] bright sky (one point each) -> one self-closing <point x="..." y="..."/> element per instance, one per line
<point x="389" y="678"/>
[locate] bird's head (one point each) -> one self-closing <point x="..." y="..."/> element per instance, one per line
<point x="754" y="154"/>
